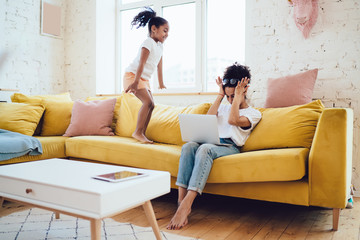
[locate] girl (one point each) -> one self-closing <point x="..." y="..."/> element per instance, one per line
<point x="138" y="73"/>
<point x="235" y="122"/>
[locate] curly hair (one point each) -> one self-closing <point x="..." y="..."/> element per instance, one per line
<point x="148" y="16"/>
<point x="236" y="71"/>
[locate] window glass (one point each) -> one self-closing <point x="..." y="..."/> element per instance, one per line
<point x="225" y="37"/>
<point x="131" y="39"/>
<point x="179" y="48"/>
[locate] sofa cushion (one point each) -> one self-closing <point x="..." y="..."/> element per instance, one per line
<point x="291" y="90"/>
<point x="91" y="118"/>
<point x="56" y="117"/>
<point x="23" y="98"/>
<point x="258" y="166"/>
<point x="286" y="164"/>
<point x="285" y="127"/>
<point x="164" y="123"/>
<point x="125" y="151"/>
<point x="53" y="147"/>
<point x="20" y="117"/>
<point x="116" y="109"/>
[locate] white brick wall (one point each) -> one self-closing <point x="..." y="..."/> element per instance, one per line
<point x="275" y="47"/>
<point x="35" y="63"/>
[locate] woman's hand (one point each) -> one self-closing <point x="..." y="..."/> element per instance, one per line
<point x="219" y="83"/>
<point x="132" y="88"/>
<point x="242" y="87"/>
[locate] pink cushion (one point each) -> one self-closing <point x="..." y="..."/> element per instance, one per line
<point x="291" y="90"/>
<point x="91" y="118"/>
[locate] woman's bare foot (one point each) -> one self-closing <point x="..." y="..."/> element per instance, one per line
<point x="180" y="219"/>
<point x="142" y="138"/>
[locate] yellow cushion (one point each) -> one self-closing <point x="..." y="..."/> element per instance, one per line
<point x="285" y="127"/>
<point x="116" y="109"/>
<point x="126" y="152"/>
<point x="57" y="117"/>
<point x="23" y="98"/>
<point x="20" y="117"/>
<point x="164" y="123"/>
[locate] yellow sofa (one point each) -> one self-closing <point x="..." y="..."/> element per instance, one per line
<point x="297" y="155"/>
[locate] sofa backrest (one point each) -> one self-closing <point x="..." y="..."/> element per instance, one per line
<point x="286" y="127"/>
<point x="164" y="123"/>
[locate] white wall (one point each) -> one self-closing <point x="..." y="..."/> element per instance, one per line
<point x="35" y="63"/>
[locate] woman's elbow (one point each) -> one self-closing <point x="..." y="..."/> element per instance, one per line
<point x="232" y="121"/>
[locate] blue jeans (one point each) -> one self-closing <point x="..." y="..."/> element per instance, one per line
<point x="196" y="161"/>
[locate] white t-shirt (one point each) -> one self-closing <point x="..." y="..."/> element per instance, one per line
<point x="237" y="134"/>
<point x="156" y="51"/>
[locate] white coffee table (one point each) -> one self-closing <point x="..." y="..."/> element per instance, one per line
<point x="65" y="186"/>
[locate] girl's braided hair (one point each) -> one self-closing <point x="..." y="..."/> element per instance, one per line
<point x="148" y="16"/>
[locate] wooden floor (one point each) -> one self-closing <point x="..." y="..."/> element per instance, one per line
<point x="217" y="217"/>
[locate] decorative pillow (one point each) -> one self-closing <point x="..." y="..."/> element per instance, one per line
<point x="116" y="109"/>
<point x="56" y="117"/>
<point x="91" y="118"/>
<point x="291" y="90"/>
<point x="20" y="117"/>
<point x="164" y="123"/>
<point x="287" y="127"/>
<point x="22" y="98"/>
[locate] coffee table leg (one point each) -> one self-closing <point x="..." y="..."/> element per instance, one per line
<point x="149" y="212"/>
<point x="95" y="225"/>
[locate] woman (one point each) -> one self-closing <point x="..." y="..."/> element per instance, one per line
<point x="235" y="122"/>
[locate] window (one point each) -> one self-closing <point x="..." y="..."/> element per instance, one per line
<point x="205" y="36"/>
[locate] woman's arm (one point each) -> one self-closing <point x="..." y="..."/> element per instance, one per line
<point x="160" y="74"/>
<point x="234" y="117"/>
<point x="143" y="58"/>
<point x="215" y="106"/>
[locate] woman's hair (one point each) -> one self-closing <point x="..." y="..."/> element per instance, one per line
<point x="236" y="71"/>
<point x="148" y="16"/>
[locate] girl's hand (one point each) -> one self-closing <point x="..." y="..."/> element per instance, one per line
<point x="219" y="83"/>
<point x="242" y="87"/>
<point x="162" y="86"/>
<point x="132" y="88"/>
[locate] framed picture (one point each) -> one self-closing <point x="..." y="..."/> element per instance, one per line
<point x="50" y="19"/>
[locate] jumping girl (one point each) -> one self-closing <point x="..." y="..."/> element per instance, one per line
<point x="138" y="73"/>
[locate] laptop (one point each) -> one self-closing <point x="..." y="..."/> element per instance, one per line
<point x="199" y="128"/>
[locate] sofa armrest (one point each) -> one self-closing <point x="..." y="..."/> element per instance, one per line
<point x="330" y="159"/>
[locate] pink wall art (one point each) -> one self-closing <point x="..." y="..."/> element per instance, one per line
<point x="305" y="14"/>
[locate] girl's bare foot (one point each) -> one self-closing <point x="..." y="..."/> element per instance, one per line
<point x="142" y="138"/>
<point x="180" y="219"/>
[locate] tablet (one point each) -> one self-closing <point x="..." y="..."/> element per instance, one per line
<point x="119" y="176"/>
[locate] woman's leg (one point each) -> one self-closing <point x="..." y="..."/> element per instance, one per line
<point x="186" y="165"/>
<point x="144" y="113"/>
<point x="201" y="170"/>
<point x="204" y="158"/>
